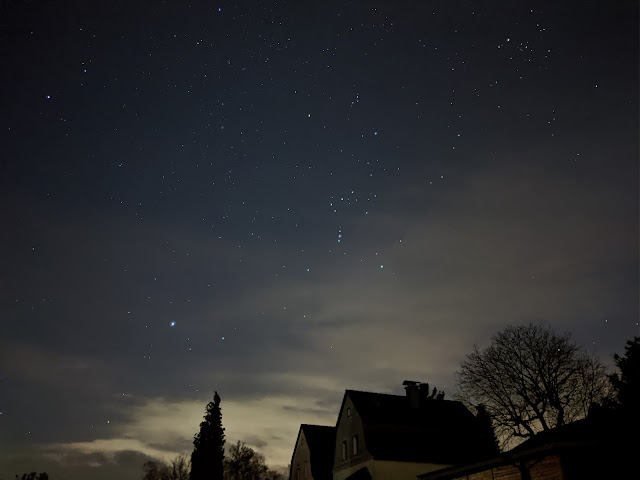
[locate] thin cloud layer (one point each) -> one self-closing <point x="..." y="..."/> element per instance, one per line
<point x="339" y="198"/>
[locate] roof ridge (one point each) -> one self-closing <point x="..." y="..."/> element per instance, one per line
<point x="375" y="393"/>
<point x="399" y="396"/>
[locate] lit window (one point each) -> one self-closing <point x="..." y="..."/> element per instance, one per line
<point x="348" y="412"/>
<point x="355" y="445"/>
<point x="344" y="450"/>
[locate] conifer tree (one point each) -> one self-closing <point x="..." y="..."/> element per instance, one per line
<point x="208" y="445"/>
<point x="626" y="384"/>
<point x="486" y="431"/>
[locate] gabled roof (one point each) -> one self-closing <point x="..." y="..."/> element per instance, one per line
<point x="439" y="431"/>
<point x="385" y="409"/>
<point x="321" y="441"/>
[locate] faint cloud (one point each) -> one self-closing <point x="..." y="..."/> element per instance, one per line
<point x="107" y="449"/>
<point x="163" y="429"/>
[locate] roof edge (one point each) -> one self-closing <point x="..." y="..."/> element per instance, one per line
<point x="507" y="457"/>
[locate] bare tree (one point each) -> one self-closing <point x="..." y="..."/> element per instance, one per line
<point x="244" y="463"/>
<point x="178" y="470"/>
<point x="34" y="476"/>
<point x="531" y="379"/>
<point x="155" y="470"/>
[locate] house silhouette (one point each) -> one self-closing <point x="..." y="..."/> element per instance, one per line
<point x="380" y="436"/>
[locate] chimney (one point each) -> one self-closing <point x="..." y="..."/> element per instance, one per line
<point x="413" y="393"/>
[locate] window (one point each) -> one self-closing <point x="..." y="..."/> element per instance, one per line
<point x="344" y="450"/>
<point x="298" y="473"/>
<point x="355" y="445"/>
<point x="348" y="412"/>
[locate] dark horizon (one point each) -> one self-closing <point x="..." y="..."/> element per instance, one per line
<point x="281" y="202"/>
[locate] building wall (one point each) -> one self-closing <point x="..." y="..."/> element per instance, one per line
<point x="348" y="426"/>
<point x="351" y="469"/>
<point x="549" y="468"/>
<point x="389" y="470"/>
<point x="301" y="461"/>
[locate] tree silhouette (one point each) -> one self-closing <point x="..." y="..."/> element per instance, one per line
<point x="626" y="384"/>
<point x="155" y="471"/>
<point x="531" y="379"/>
<point x="485" y="427"/>
<point x="178" y="470"/>
<point x="244" y="463"/>
<point x="208" y="445"/>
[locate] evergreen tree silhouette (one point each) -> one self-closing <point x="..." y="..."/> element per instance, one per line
<point x="208" y="445"/>
<point x="486" y="431"/>
<point x="626" y="384"/>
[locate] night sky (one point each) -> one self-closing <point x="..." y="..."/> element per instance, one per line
<point x="283" y="200"/>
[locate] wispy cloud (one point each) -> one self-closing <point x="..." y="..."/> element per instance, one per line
<point x="163" y="429"/>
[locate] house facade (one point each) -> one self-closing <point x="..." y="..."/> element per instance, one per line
<point x="391" y="437"/>
<point x="354" y="458"/>
<point x="312" y="457"/>
<point x="394" y="437"/>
